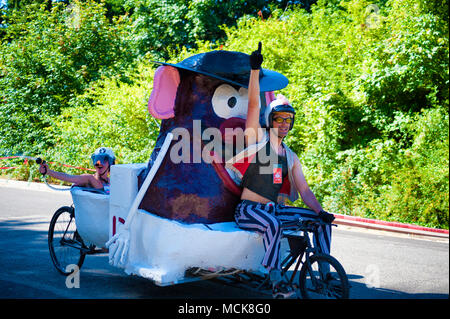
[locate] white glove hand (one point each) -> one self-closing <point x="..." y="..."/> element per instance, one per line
<point x="118" y="248"/>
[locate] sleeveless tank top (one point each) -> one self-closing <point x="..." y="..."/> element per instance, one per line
<point x="266" y="173"/>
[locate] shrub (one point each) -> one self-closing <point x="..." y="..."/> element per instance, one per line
<point x="371" y="92"/>
<point x="47" y="58"/>
<point x="113" y="114"/>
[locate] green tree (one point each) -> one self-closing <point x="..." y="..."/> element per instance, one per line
<point x="46" y="59"/>
<point x="112" y="113"/>
<point x="164" y="27"/>
<point x="370" y="85"/>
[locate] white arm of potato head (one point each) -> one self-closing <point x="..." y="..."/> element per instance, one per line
<point x="148" y="179"/>
<point x="119" y="243"/>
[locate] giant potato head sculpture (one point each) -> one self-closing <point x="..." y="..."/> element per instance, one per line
<point x="207" y="90"/>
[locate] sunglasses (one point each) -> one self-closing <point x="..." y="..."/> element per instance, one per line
<point x="102" y="158"/>
<point x="280" y="120"/>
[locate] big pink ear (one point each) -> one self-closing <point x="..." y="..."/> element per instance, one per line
<point x="162" y="99"/>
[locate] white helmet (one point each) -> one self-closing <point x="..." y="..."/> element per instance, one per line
<point x="102" y="154"/>
<point x="280" y="104"/>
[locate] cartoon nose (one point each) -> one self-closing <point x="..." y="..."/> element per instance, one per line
<point x="98" y="162"/>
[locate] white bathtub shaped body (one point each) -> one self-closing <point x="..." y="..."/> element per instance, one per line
<point x="91" y="216"/>
<point x="162" y="249"/>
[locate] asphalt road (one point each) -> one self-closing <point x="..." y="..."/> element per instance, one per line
<point x="379" y="265"/>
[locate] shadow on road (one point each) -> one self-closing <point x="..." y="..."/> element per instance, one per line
<point x="28" y="272"/>
<point x="362" y="291"/>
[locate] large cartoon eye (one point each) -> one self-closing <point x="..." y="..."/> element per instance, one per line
<point x="227" y="102"/>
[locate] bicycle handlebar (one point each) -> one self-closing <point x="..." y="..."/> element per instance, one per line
<point x="305" y="225"/>
<point x="41" y="161"/>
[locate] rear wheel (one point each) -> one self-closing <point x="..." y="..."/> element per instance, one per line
<point x="323" y="278"/>
<point x="65" y="244"/>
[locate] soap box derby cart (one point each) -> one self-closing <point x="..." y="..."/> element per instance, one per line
<point x="148" y="221"/>
<point x="168" y="252"/>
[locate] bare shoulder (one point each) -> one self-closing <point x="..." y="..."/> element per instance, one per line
<point x="89" y="180"/>
<point x="296" y="160"/>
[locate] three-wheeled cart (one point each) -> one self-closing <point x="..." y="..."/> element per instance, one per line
<point x="169" y="252"/>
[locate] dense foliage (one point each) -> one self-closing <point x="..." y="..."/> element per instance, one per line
<point x="163" y="27"/>
<point x="370" y="86"/>
<point x="370" y="82"/>
<point x="47" y="58"/>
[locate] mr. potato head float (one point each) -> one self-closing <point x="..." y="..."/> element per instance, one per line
<point x="198" y="99"/>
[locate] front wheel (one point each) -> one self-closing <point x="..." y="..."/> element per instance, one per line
<point x="65" y="244"/>
<point x="323" y="277"/>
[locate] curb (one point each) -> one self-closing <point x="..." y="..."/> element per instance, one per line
<point x="34" y="186"/>
<point x="396" y="227"/>
<point x="345" y="220"/>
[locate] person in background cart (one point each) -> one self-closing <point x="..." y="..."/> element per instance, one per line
<point x="102" y="159"/>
